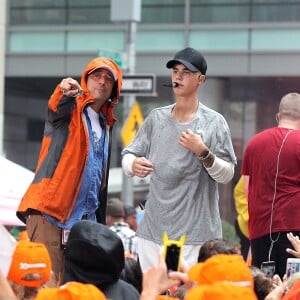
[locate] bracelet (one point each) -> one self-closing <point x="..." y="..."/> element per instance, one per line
<point x="205" y="155"/>
<point x="208" y="160"/>
<point x="79" y="91"/>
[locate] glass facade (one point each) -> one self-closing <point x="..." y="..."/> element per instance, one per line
<point x="67" y="12"/>
<point x="245" y="25"/>
<point x="64" y="12"/>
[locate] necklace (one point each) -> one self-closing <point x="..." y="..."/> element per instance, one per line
<point x="184" y="117"/>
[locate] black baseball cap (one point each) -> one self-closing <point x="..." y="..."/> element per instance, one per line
<point x="191" y="58"/>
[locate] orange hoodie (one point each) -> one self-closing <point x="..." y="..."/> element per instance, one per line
<point x="64" y="149"/>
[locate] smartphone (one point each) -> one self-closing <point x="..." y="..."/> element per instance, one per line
<point x="172" y="252"/>
<point x="268" y="267"/>
<point x="292" y="266"/>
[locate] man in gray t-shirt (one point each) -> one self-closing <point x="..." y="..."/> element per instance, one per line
<point x="187" y="149"/>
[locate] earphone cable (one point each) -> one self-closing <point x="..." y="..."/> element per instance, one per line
<point x="274" y="196"/>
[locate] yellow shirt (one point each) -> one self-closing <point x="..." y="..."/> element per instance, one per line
<point x="241" y="205"/>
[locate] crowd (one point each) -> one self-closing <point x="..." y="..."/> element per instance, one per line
<point x="99" y="266"/>
<point x="81" y="245"/>
<point x="96" y="268"/>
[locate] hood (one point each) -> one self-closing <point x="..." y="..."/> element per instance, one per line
<point x="107" y="63"/>
<point x="94" y="254"/>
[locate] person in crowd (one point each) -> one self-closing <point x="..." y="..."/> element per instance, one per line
<point x="207" y="250"/>
<point x="206" y="279"/>
<point x="30" y="269"/>
<point x="6" y="292"/>
<point x="187" y="149"/>
<point x="280" y="292"/>
<point x="179" y="292"/>
<point x="222" y="267"/>
<point x="217" y="270"/>
<point x="132" y="273"/>
<point x="115" y="219"/>
<point x="71" y="290"/>
<point x="220" y="291"/>
<point x="241" y="223"/>
<point x="131" y="217"/>
<point x="70" y="182"/>
<point x="216" y="246"/>
<point x="295" y="242"/>
<point x="290" y="281"/>
<point x="288" y="289"/>
<point x="293" y="293"/>
<point x="156" y="279"/>
<point x="95" y="255"/>
<point x="263" y="284"/>
<point x="270" y="167"/>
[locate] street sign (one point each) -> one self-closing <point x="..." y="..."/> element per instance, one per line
<point x="132" y="125"/>
<point x="139" y="84"/>
<point x="118" y="57"/>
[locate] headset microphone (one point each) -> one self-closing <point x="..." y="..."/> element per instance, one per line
<point x="173" y="85"/>
<point x="109" y="102"/>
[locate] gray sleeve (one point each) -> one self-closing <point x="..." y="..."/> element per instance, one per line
<point x="217" y="137"/>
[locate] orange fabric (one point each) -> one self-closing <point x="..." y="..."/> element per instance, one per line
<point x="23" y="235"/>
<point x="220" y="291"/>
<point x="28" y="258"/>
<point x="50" y="192"/>
<point x="222" y="268"/>
<point x="163" y="297"/>
<point x="71" y="291"/>
<point x="294" y="292"/>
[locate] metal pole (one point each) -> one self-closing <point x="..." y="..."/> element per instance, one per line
<point x="127" y="194"/>
<point x="2" y="70"/>
<point x="187" y="10"/>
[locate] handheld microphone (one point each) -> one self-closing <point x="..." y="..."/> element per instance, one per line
<point x="173" y="84"/>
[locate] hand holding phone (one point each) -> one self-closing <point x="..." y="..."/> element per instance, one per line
<point x="172" y="252"/>
<point x="292" y="266"/>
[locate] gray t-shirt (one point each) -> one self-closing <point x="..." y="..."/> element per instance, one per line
<point x="182" y="198"/>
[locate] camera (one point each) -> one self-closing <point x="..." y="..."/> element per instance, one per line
<point x="172" y="252"/>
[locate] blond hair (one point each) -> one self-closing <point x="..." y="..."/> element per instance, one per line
<point x="289" y="107"/>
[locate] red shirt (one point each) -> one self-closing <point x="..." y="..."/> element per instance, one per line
<point x="270" y="152"/>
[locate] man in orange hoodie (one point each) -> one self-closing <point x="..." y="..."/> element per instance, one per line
<point x="70" y="182"/>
